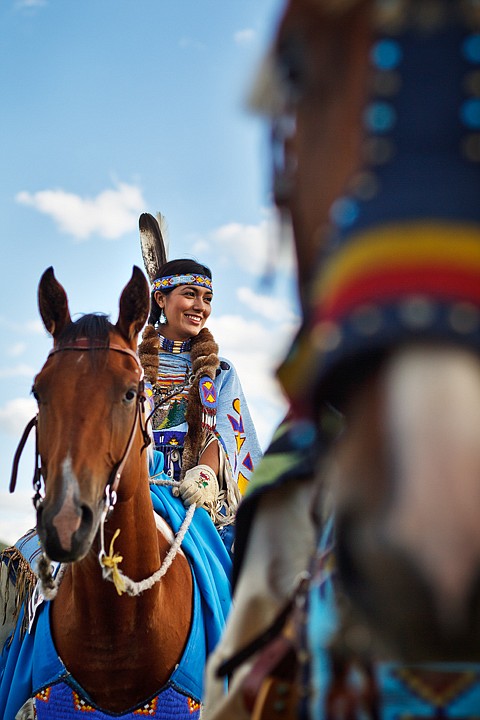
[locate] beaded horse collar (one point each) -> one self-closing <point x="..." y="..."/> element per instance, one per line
<point x="175" y="346"/>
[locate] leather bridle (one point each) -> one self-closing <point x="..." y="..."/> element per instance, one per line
<point x="83" y="345"/>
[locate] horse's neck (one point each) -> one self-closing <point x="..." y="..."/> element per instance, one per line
<point x="143" y="636"/>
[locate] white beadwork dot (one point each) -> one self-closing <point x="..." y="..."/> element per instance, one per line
<point x="364" y="186"/>
<point x="464" y="318"/>
<point x="471" y="147"/>
<point x="417" y="312"/>
<point x="429" y="15"/>
<point x="386" y="84"/>
<point x="378" y="151"/>
<point x="326" y="336"/>
<point x="471" y="83"/>
<point x="367" y="320"/>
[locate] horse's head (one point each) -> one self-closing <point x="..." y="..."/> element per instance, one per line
<point x="312" y="86"/>
<point x="88" y="408"/>
<point x="379" y="171"/>
<point x="405" y="478"/>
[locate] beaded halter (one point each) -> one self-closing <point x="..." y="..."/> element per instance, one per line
<point x="403" y="259"/>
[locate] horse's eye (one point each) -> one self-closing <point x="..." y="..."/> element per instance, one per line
<point x="130" y="395"/>
<point x="35" y="394"/>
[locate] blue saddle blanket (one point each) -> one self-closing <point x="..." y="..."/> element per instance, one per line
<point x="29" y="663"/>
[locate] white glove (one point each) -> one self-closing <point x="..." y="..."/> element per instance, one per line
<point x="199" y="487"/>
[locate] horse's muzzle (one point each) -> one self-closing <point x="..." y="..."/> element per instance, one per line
<point x="65" y="527"/>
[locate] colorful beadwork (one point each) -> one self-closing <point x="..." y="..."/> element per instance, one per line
<point x="209" y="400"/>
<point x="171" y="281"/>
<point x="175" y="346"/>
<point x="62" y="702"/>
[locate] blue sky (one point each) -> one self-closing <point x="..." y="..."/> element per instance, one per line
<point x="115" y="107"/>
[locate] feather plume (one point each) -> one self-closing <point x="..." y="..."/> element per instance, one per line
<point x="153" y="242"/>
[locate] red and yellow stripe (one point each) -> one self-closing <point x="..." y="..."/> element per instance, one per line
<point x="391" y="262"/>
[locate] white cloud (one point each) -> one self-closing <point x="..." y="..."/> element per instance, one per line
<point x="28" y="327"/>
<point x="22" y="370"/>
<point x="18" y="514"/>
<point x="244" y="37"/>
<point x="255" y="349"/>
<point x="110" y="214"/>
<point x="15" y="414"/>
<point x="255" y="248"/>
<point x="188" y="42"/>
<point x="34" y="326"/>
<point x="21" y="4"/>
<point x="272" y="308"/>
<point x="16" y="349"/>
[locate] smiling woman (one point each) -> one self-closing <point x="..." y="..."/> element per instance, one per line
<point x="201" y="421"/>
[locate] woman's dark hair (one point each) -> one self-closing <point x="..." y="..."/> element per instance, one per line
<point x="183" y="266"/>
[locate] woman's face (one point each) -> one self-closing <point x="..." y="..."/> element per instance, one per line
<point x="187" y="308"/>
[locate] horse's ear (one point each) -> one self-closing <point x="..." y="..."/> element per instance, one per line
<point x="53" y="304"/>
<point x="134" y="306"/>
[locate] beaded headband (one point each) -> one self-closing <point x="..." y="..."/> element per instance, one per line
<point x="403" y="259"/>
<point x="171" y="281"/>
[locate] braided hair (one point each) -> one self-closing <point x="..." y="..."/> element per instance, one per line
<point x="203" y="354"/>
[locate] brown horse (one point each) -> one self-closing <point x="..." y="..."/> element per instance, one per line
<point x="120" y="648"/>
<point x="402" y="479"/>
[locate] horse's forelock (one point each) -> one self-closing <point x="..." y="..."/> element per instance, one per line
<point x="94" y="328"/>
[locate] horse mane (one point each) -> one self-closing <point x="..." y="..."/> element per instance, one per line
<point x="95" y="327"/>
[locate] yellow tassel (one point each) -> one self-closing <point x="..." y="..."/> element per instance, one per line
<point x="111" y="561"/>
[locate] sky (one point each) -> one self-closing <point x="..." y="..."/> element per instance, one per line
<point x="111" y="108"/>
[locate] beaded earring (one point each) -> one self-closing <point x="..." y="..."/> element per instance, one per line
<point x="163" y="318"/>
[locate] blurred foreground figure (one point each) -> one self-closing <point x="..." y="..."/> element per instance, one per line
<point x="376" y="148"/>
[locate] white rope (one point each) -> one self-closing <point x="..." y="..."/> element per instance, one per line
<point x="125" y="584"/>
<point x="110" y="571"/>
<point x="163" y="480"/>
<point x="109" y="563"/>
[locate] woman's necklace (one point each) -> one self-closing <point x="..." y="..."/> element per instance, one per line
<point x="175" y="346"/>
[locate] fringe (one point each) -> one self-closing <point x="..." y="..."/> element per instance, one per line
<point x="23" y="581"/>
<point x="225" y="509"/>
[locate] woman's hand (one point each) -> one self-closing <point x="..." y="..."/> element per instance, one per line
<point x="199" y="487"/>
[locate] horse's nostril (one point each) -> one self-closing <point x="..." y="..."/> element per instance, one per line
<point x="65" y="533"/>
<point x="87" y="519"/>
